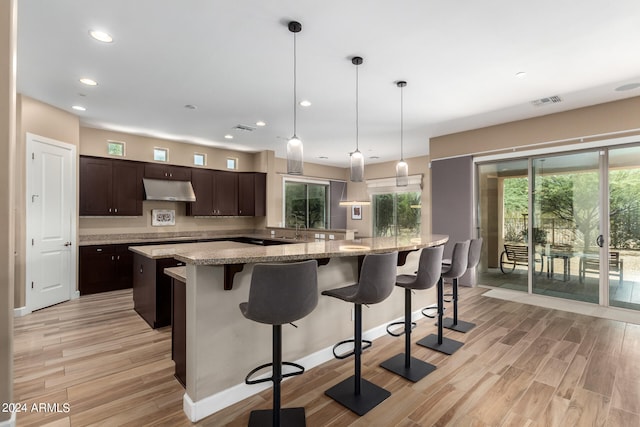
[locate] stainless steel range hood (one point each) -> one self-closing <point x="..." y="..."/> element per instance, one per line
<point x="175" y="191"/>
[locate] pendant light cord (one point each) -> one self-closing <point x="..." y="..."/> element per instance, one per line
<point x="401" y="123"/>
<point x="357" y="127"/>
<point x="294" y="86"/>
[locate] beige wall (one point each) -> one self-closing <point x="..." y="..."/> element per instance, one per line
<point x="8" y="28"/>
<point x="358" y="191"/>
<point x="44" y="120"/>
<point x="599" y="119"/>
<point x="94" y="143"/>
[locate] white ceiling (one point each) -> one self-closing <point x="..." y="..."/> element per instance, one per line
<point x="234" y="61"/>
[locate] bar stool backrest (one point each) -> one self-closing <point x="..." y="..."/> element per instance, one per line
<point x="282" y="292"/>
<point x="459" y="260"/>
<point x="474" y="252"/>
<point x="377" y="278"/>
<point x="429" y="267"/>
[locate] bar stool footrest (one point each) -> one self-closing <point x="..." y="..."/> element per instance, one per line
<point x="366" y="345"/>
<point x="289" y="417"/>
<point x="249" y="381"/>
<point x="460" y="326"/>
<point x="448" y="346"/>
<point x="398" y="334"/>
<point x="431" y="307"/>
<point x="417" y="369"/>
<point x="370" y="395"/>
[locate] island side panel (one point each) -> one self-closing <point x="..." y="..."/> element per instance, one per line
<point x="223" y="346"/>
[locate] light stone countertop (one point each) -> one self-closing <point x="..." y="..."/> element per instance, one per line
<point x="170" y="250"/>
<point x="178" y="273"/>
<point x="212" y="254"/>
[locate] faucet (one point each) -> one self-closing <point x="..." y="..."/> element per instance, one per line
<point x="298" y="235"/>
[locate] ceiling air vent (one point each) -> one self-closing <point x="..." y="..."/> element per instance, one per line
<point x="244" y="128"/>
<point x="547" y="101"/>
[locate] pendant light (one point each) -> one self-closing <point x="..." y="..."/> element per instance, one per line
<point x="294" y="145"/>
<point x="402" y="169"/>
<point x="357" y="159"/>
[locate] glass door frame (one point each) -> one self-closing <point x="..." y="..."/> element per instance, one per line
<point x="602" y="146"/>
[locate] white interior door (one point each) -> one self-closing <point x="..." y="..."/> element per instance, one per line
<point x="51" y="199"/>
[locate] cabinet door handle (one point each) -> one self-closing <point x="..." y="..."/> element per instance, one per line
<point x="99" y="250"/>
<point x="109" y="210"/>
<point x="113" y="258"/>
<point x="118" y="257"/>
<point x="140" y="268"/>
<point x="116" y="210"/>
<point x="170" y="174"/>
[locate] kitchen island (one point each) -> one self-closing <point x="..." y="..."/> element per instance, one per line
<point x="222" y="346"/>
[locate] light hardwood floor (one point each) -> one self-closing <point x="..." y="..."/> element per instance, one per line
<point x="521" y="366"/>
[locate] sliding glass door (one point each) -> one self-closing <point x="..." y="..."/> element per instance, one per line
<point x="565" y="226"/>
<point x="502" y="212"/>
<point x="624" y="227"/>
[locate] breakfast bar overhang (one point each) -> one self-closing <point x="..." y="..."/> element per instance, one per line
<point x="222" y="347"/>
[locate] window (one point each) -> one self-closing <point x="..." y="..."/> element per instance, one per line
<point x="115" y="148"/>
<point x="232" y="163"/>
<point x="396" y="210"/>
<point x="160" y="154"/>
<point x="199" y="159"/>
<point x="396" y="214"/>
<point x="306" y="204"/>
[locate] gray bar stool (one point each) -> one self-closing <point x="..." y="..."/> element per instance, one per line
<point x="428" y="274"/>
<point x="475" y="248"/>
<point x="279" y="294"/>
<point x="457" y="268"/>
<point x="375" y="284"/>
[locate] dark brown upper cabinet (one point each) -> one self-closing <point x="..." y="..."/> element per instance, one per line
<point x="216" y="193"/>
<point x="170" y="172"/>
<point x="252" y="194"/>
<point x="110" y="187"/>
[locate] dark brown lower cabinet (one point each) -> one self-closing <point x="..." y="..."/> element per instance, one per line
<point x="104" y="268"/>
<point x="152" y="289"/>
<point x="179" y="329"/>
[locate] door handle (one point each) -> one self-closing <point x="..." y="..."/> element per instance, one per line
<point x="600" y="240"/>
<point x="67" y="243"/>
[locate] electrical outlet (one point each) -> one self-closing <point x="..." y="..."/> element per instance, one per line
<point x="331" y="237"/>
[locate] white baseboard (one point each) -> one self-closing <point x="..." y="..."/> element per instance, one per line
<point x="19" y="312"/>
<point x="11" y="422"/>
<point x="23" y="311"/>
<point x="202" y="408"/>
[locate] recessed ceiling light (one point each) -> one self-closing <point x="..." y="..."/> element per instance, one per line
<point x="228" y="136"/>
<point x="101" y="36"/>
<point x="628" y="87"/>
<point x="374" y="157"/>
<point x="261" y="123"/>
<point x="323" y="157"/>
<point x="521" y="74"/>
<point x="79" y="108"/>
<point x="190" y="107"/>
<point x="88" y="82"/>
<point x="305" y="103"/>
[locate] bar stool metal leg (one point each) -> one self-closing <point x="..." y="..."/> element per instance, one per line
<point x="456" y="324"/>
<point x="356" y="393"/>
<point x="439" y="342"/>
<point x="403" y="364"/>
<point x="277" y="417"/>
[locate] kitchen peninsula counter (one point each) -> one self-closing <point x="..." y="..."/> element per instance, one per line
<point x="222" y="346"/>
